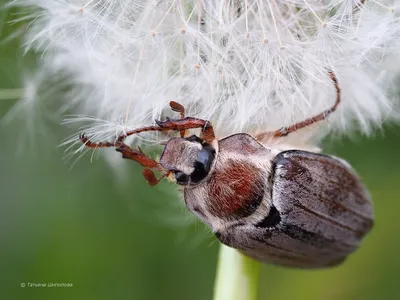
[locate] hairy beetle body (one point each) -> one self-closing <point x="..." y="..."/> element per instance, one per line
<point x="292" y="208"/>
<point x="272" y="200"/>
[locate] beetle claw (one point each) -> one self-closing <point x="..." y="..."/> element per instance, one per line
<point x="164" y="124"/>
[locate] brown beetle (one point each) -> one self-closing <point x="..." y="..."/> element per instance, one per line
<point x="288" y="207"/>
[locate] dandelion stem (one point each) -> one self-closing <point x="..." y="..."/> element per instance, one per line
<point x="11" y="94"/>
<point x="237" y="276"/>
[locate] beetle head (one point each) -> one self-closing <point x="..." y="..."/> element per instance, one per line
<point x="189" y="159"/>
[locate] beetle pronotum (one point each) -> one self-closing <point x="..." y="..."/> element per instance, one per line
<point x="288" y="207"/>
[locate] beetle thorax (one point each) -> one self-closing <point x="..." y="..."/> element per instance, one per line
<point x="236" y="189"/>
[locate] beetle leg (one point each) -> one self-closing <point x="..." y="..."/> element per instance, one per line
<point x="148" y="174"/>
<point x="322" y="116"/>
<point x="129" y="153"/>
<point x="181" y="125"/>
<point x="207" y="132"/>
<point x="175" y="106"/>
<point x="90" y="144"/>
<point x="138" y="156"/>
<point x="145" y="161"/>
<point x="124" y="135"/>
<point x="126" y="151"/>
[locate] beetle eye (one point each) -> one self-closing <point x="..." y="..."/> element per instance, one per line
<point x="202" y="164"/>
<point x="181" y="178"/>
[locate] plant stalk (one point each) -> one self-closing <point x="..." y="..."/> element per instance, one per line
<point x="237" y="276"/>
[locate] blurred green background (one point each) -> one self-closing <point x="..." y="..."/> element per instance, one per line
<point x="114" y="237"/>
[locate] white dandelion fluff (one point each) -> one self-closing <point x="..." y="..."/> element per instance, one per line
<point x="248" y="66"/>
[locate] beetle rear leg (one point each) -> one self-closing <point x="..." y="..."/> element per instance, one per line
<point x="322" y="116"/>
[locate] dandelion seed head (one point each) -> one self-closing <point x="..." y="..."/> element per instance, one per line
<point x="248" y="66"/>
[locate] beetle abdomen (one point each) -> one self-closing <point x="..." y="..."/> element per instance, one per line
<point x="324" y="194"/>
<point x="320" y="212"/>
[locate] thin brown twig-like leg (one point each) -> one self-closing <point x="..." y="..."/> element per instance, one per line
<point x="184" y="124"/>
<point x="129" y="153"/>
<point x="148" y="174"/>
<point x="90" y="144"/>
<point x="181" y="125"/>
<point x="123" y="136"/>
<point x="138" y="156"/>
<point x="207" y="132"/>
<point x="145" y="161"/>
<point x="322" y="116"/>
<point x="175" y="106"/>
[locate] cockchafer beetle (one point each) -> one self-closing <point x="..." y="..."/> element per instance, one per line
<point x="289" y="207"/>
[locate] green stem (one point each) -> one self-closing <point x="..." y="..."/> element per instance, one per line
<point x="237" y="276"/>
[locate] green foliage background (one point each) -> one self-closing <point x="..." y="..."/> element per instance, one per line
<point x="114" y="237"/>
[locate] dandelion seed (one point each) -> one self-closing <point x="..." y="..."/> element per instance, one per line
<point x="248" y="66"/>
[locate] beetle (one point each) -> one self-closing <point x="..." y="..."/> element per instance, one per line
<point x="277" y="204"/>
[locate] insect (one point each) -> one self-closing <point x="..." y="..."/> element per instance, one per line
<point x="293" y="208"/>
